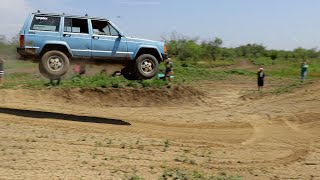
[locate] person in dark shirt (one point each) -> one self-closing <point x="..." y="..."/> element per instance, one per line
<point x="261" y="76"/>
<point x="304" y="71"/>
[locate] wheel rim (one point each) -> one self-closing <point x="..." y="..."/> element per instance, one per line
<point x="55" y="63"/>
<point x="147" y="66"/>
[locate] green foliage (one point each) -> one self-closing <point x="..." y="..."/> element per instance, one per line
<point x="196" y="175"/>
<point x="19" y="65"/>
<point x="191" y="74"/>
<point x="228" y="54"/>
<point x="166" y="145"/>
<point x="183" y="75"/>
<point x="136" y="177"/>
<point x="273" y="55"/>
<point x="212" y="49"/>
<point x="8" y="51"/>
<point x="190" y="51"/>
<point x="287" y="67"/>
<point x="251" y="51"/>
<point x="154" y="83"/>
<point x="285" y="88"/>
<point x="240" y="72"/>
<point x="222" y="177"/>
<point x="301" y="53"/>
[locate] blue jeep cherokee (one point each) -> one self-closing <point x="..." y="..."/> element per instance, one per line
<point x="56" y="40"/>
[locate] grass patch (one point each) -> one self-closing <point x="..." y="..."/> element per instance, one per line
<point x="136" y="177"/>
<point x="287" y="88"/>
<point x="185" y="74"/>
<point x="19" y="65"/>
<point x="207" y="63"/>
<point x="166" y="145"/>
<point x="240" y="72"/>
<point x="288" y="68"/>
<point x="197" y="175"/>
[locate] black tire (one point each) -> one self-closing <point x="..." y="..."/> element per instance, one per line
<point x="129" y="74"/>
<point x="147" y="66"/>
<point x="54" y="64"/>
<point x="46" y="75"/>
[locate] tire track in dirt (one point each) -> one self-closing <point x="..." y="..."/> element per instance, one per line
<point x="267" y="131"/>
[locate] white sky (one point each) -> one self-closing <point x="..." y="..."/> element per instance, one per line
<point x="13" y="14"/>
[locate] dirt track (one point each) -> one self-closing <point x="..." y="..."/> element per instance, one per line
<point x="219" y="131"/>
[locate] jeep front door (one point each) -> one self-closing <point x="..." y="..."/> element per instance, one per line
<point x="76" y="34"/>
<point x="107" y="43"/>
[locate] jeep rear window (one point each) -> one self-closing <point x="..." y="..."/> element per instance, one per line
<point x="74" y="25"/>
<point x="103" y="28"/>
<point x="45" y="23"/>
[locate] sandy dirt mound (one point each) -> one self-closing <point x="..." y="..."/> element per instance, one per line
<point x="215" y="133"/>
<point x="108" y="97"/>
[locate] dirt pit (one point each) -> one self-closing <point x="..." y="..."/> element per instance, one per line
<point x="208" y="130"/>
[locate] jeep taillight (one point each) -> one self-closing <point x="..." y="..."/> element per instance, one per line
<point x="165" y="49"/>
<point x="21" y="40"/>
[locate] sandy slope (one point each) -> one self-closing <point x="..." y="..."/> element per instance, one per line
<point x="217" y="132"/>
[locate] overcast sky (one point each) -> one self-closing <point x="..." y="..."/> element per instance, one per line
<point x="277" y="24"/>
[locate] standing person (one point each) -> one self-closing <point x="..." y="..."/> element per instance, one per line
<point x="261" y="76"/>
<point x="304" y="71"/>
<point x="169" y="70"/>
<point x="1" y="70"/>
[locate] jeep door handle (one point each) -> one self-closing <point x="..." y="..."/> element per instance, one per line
<point x="67" y="35"/>
<point x="95" y="37"/>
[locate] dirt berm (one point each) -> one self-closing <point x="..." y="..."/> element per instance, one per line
<point x="211" y="130"/>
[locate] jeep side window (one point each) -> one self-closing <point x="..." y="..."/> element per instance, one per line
<point x="74" y="25"/>
<point x="45" y="23"/>
<point x="103" y="28"/>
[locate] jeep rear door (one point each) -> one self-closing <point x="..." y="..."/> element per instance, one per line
<point x="76" y="34"/>
<point x="107" y="43"/>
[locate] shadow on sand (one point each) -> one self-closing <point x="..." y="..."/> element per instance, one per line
<point x="59" y="116"/>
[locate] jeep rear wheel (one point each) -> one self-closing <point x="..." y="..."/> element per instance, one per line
<point x="54" y="64"/>
<point x="147" y="66"/>
<point x="46" y="75"/>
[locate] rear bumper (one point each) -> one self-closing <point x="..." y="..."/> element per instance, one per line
<point x="27" y="52"/>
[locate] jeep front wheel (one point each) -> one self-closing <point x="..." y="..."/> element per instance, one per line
<point x="54" y="64"/>
<point x="147" y="66"/>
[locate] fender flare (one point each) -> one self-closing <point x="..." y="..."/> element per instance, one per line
<point x="134" y="56"/>
<point x="60" y="43"/>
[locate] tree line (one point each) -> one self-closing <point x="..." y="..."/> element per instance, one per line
<point x="192" y="50"/>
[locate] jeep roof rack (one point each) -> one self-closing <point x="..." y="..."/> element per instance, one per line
<point x="69" y="15"/>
